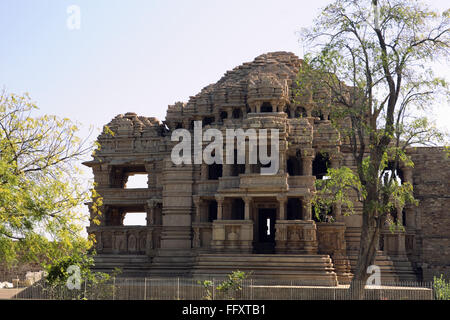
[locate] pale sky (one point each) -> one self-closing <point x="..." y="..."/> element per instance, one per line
<point x="142" y="55"/>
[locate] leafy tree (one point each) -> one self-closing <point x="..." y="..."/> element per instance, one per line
<point x="40" y="192"/>
<point x="441" y="288"/>
<point x="372" y="62"/>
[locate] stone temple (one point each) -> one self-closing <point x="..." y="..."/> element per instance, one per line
<point x="208" y="220"/>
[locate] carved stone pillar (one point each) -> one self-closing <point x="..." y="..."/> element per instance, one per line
<point x="204" y="172"/>
<point x="227" y="170"/>
<point x="220" y="200"/>
<point x="282" y="156"/>
<point x="151" y="178"/>
<point x="198" y="208"/>
<point x="307" y="159"/>
<point x="150" y="216"/>
<point x="247" y="201"/>
<point x="282" y="212"/>
<point x="248" y="166"/>
<point x="307" y="208"/>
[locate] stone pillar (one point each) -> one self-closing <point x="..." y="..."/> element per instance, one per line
<point x="307" y="158"/>
<point x="150" y="215"/>
<point x="198" y="208"/>
<point x="204" y="172"/>
<point x="248" y="166"/>
<point x="282" y="212"/>
<point x="307" y="211"/>
<point x="399" y="209"/>
<point x="220" y="200"/>
<point x="227" y="168"/>
<point x="282" y="156"/>
<point x="247" y="201"/>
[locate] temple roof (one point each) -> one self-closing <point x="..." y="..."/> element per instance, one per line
<point x="271" y="75"/>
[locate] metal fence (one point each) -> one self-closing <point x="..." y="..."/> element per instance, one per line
<point x="193" y="289"/>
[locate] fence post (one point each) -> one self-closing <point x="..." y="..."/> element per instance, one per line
<point x="145" y="288"/>
<point x="178" y="288"/>
<point x="251" y="289"/>
<point x="114" y="288"/>
<point x="214" y="289"/>
<point x="291" y="291"/>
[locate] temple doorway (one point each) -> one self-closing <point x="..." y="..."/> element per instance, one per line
<point x="266" y="231"/>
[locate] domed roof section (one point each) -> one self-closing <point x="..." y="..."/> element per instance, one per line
<point x="130" y="124"/>
<point x="270" y="75"/>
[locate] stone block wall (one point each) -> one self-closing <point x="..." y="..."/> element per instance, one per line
<point x="431" y="176"/>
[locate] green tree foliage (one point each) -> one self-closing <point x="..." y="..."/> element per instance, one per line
<point x="441" y="288"/>
<point x="372" y="62"/>
<point x="228" y="288"/>
<point x="40" y="192"/>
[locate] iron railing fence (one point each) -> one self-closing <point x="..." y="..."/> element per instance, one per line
<point x="194" y="289"/>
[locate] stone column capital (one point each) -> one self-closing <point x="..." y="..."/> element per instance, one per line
<point x="247" y="199"/>
<point x="282" y="198"/>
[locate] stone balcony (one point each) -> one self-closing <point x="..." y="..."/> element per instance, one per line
<point x="118" y="196"/>
<point x="258" y="182"/>
<point x="226" y="183"/>
<point x="232" y="236"/>
<point x="122" y="239"/>
<point x="296" y="236"/>
<point x="304" y="183"/>
<point x="206" y="187"/>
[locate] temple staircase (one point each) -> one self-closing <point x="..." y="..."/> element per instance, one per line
<point x="305" y="269"/>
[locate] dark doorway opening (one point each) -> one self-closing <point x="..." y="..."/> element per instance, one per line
<point x="266" y="107"/>
<point x="266" y="231"/>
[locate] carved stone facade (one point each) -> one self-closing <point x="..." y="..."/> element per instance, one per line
<point x="201" y="218"/>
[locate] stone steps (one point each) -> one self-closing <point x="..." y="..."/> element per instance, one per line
<point x="312" y="269"/>
<point x="169" y="263"/>
<point x="131" y="265"/>
<point x="392" y="269"/>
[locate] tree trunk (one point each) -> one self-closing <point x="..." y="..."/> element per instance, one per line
<point x="370" y="235"/>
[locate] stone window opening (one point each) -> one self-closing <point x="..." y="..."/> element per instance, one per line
<point x="237" y="209"/>
<point x="317" y="114"/>
<point x="135" y="219"/>
<point x="294" y="209"/>
<point x="237" y="113"/>
<point x="294" y="165"/>
<point x="137" y="181"/>
<point x="114" y="217"/>
<point x="287" y="110"/>
<point x="207" y="121"/>
<point x="266" y="107"/>
<point x="223" y="115"/>
<point x="128" y="177"/>
<point x="300" y="112"/>
<point x="320" y="165"/>
<point x="214" y="171"/>
<point x="212" y="211"/>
